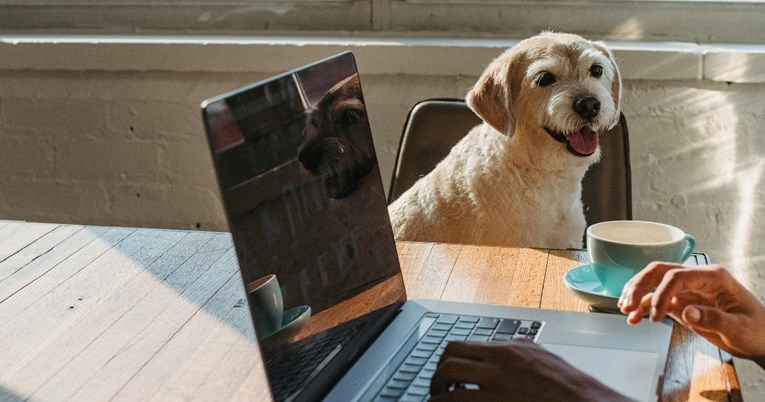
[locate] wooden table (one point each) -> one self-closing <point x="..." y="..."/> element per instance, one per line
<point x="97" y="313"/>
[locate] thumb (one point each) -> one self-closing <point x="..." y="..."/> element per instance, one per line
<point x="703" y="317"/>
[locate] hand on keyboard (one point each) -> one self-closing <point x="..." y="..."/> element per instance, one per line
<point x="518" y="370"/>
<point x="411" y="381"/>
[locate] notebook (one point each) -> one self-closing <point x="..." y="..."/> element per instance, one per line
<point x="304" y="199"/>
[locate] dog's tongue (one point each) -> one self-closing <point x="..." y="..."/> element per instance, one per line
<point x="584" y="141"/>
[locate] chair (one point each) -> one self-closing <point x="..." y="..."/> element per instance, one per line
<point x="434" y="126"/>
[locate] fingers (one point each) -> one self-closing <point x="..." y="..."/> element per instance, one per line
<point x="472" y="395"/>
<point x="456" y="395"/>
<point x="670" y="291"/>
<point x="465" y="363"/>
<point x="707" y="299"/>
<point x="716" y="326"/>
<point x="467" y="350"/>
<point x="636" y="315"/>
<point x="689" y="285"/>
<point x="707" y="319"/>
<point x="457" y="370"/>
<point x="642" y="283"/>
<point x="663" y="289"/>
<point x="692" y="316"/>
<point x="487" y="365"/>
<point x="521" y="350"/>
<point x="672" y="286"/>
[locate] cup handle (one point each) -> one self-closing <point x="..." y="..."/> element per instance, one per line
<point x="690" y="244"/>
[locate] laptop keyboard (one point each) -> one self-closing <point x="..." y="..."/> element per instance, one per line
<point x="411" y="381"/>
<point x="294" y="368"/>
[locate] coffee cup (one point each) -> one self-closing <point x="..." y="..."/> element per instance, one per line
<point x="266" y="304"/>
<point x="620" y="249"/>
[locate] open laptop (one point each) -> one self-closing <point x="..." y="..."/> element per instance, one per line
<point x="304" y="199"/>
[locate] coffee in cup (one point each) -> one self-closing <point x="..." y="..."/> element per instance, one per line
<point x="620" y="249"/>
<point x="266" y="304"/>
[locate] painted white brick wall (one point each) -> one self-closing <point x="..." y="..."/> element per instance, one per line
<point x="127" y="148"/>
<point x="114" y="146"/>
<point x="117" y="149"/>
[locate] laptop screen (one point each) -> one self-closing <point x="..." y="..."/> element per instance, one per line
<point x="306" y="209"/>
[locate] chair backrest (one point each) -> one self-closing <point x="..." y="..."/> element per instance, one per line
<point x="434" y="126"/>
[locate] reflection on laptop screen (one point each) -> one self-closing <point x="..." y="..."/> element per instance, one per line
<point x="305" y="205"/>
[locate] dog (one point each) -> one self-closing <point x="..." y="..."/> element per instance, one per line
<point x="337" y="144"/>
<point x="515" y="179"/>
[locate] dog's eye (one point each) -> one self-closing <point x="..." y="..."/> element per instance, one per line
<point x="352" y="116"/>
<point x="596" y="71"/>
<point x="545" y="79"/>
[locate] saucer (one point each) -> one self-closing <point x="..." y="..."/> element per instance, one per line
<point x="585" y="284"/>
<point x="293" y="320"/>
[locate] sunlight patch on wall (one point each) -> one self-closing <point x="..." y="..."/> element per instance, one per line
<point x="730" y="168"/>
<point x="746" y="181"/>
<point x="630" y="29"/>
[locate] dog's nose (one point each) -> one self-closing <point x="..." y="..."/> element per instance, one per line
<point x="309" y="158"/>
<point x="587" y="106"/>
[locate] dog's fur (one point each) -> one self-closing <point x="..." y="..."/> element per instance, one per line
<point x="515" y="179"/>
<point x="337" y="143"/>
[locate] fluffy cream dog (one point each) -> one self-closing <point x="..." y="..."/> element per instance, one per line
<point x="515" y="179"/>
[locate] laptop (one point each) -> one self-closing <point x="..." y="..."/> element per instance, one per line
<point x="304" y="199"/>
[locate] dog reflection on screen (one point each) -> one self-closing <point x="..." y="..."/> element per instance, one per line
<point x="338" y="145"/>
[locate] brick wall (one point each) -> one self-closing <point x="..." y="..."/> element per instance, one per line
<point x="104" y="148"/>
<point x="127" y="148"/>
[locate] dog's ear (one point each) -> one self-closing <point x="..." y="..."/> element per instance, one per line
<point x="490" y="99"/>
<point x="616" y="85"/>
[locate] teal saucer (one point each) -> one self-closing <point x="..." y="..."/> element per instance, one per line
<point x="293" y="320"/>
<point x="585" y="284"/>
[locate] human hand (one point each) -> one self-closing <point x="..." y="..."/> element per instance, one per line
<point x="708" y="300"/>
<point x="518" y="370"/>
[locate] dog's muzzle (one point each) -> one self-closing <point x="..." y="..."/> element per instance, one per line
<point x="583" y="142"/>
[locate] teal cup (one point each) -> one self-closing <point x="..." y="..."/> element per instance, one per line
<point x="266" y="305"/>
<point x="620" y="249"/>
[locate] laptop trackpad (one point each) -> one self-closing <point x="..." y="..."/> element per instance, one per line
<point x="627" y="371"/>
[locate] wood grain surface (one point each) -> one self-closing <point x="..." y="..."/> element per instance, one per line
<point x="101" y="313"/>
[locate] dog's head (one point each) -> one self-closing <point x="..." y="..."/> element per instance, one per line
<point x="554" y="85"/>
<point x="338" y="145"/>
